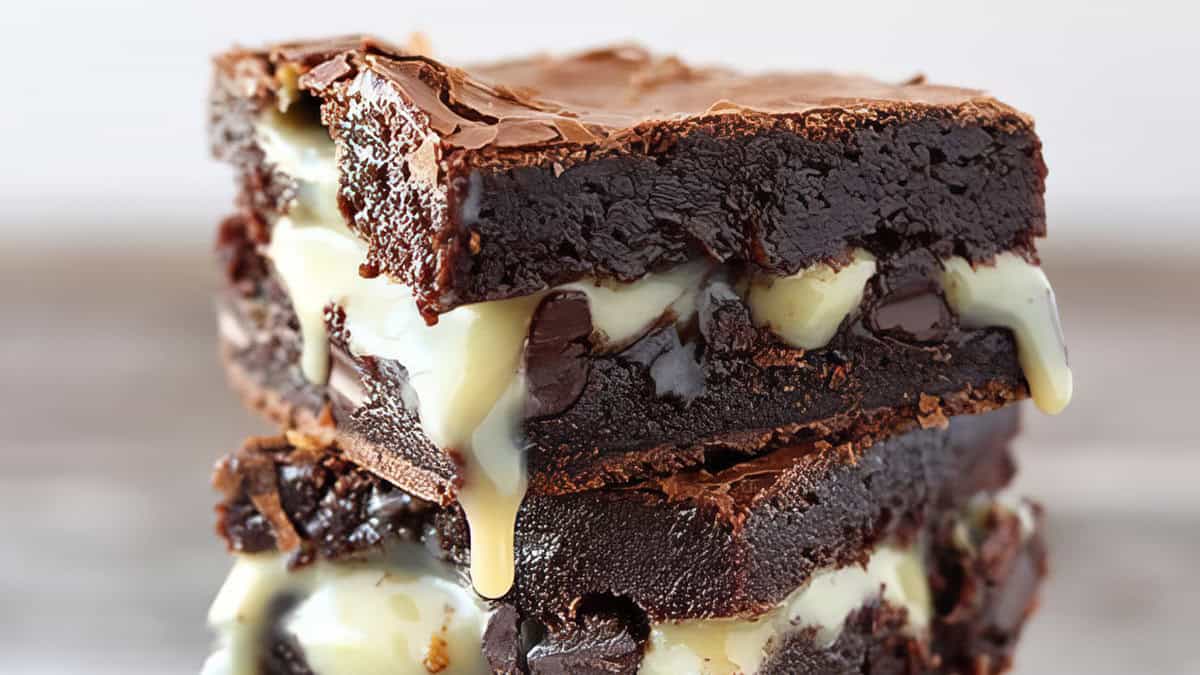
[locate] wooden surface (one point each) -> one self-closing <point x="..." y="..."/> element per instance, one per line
<point x="113" y="409"/>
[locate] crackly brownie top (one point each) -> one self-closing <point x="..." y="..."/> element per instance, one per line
<point x="600" y="97"/>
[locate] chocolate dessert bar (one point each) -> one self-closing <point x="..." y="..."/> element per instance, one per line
<point x="509" y="179"/>
<point x="806" y="562"/>
<point x="607" y="363"/>
<point x="560" y="274"/>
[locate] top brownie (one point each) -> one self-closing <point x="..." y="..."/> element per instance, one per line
<point x="508" y="179"/>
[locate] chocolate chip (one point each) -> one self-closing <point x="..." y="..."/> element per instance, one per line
<point x="556" y="364"/>
<point x="915" y="313"/>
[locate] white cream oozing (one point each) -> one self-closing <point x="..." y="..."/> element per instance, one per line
<point x="406" y="615"/>
<point x="465" y="370"/>
<point x="806" y="308"/>
<point x="728" y="646"/>
<point x="1015" y="294"/>
<point x="304" y="151"/>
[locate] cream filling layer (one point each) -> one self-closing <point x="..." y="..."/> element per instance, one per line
<point x="408" y="614"/>
<point x="729" y="646"/>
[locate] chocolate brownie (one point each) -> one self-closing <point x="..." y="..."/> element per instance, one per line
<point x="608" y="363"/>
<point x="716" y="541"/>
<point x="506" y="179"/>
<point x="718" y="386"/>
<point x="983" y="591"/>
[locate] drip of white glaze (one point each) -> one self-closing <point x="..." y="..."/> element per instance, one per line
<point x="405" y="614"/>
<point x="465" y="370"/>
<point x="1013" y="293"/>
<point x="806" y="308"/>
<point x="728" y="646"/>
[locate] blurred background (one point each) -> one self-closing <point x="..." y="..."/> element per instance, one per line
<point x="113" y="408"/>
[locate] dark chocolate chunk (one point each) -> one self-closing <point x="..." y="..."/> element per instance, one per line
<point x="917" y="314"/>
<point x="503" y="647"/>
<point x="556" y="363"/>
<point x="595" y="645"/>
<point x="283" y="655"/>
<point x="725" y="319"/>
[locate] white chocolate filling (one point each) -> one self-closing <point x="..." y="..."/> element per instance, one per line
<point x="1015" y="294"/>
<point x="404" y="616"/>
<point x="728" y="646"/>
<point x="806" y="308"/>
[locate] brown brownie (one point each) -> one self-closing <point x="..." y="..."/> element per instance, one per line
<point x="717" y="541"/>
<point x="984" y="587"/>
<point x="559" y="274"/>
<point x="506" y="179"/>
<point x="673" y="399"/>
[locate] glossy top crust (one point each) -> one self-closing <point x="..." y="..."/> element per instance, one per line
<point x="596" y="97"/>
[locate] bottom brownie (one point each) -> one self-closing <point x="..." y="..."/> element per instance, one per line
<point x="732" y="540"/>
<point x="962" y="614"/>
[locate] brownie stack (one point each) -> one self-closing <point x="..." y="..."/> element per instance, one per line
<point x="611" y="364"/>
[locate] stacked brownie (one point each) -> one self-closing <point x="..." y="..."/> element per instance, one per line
<point x="612" y="364"/>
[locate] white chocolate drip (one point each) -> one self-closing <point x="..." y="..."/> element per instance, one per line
<point x="465" y="370"/>
<point x="396" y="617"/>
<point x="805" y="309"/>
<point x="728" y="646"/>
<point x="1015" y="294"/>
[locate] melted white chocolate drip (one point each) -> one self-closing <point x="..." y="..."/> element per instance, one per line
<point x="1013" y="293"/>
<point x="465" y="370"/>
<point x="405" y="615"/>
<point x="805" y="309"/>
<point x="728" y="646"/>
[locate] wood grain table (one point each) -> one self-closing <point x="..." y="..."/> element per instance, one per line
<point x="113" y="410"/>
